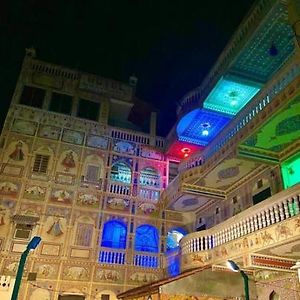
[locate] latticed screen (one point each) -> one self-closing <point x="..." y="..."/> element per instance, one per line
<point x="41" y="163"/>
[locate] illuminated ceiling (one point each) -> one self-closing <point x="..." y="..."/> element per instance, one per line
<point x="278" y="133"/>
<point x="182" y="149"/>
<point x="201" y="126"/>
<point x="271" y="46"/>
<point x="231" y="94"/>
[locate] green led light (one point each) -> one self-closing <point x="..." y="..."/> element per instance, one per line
<point x="290" y="170"/>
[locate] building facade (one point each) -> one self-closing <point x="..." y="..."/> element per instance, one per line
<point x="119" y="208"/>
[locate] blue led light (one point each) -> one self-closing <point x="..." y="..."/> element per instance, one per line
<point x="200" y="126"/>
<point x="231" y="94"/>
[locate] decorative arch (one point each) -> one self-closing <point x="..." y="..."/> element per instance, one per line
<point x="150" y="176"/>
<point x="121" y="172"/>
<point x="114" y="234"/>
<point x="146" y="238"/>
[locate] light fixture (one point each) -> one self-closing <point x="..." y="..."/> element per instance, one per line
<point x="205" y="132"/>
<point x="297" y="267"/>
<point x="31" y="246"/>
<point x="235" y="268"/>
<point x="186" y="151"/>
<point x="233" y="102"/>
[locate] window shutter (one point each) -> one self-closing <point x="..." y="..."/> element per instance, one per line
<point x="41" y="163"/>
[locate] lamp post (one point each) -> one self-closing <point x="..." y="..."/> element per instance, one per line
<point x="234" y="267"/>
<point x="297" y="267"/>
<point x="31" y="246"/>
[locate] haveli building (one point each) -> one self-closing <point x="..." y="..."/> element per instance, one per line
<point x="118" y="208"/>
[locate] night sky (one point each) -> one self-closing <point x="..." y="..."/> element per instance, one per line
<point x="169" y="45"/>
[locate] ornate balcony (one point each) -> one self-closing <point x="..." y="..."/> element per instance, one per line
<point x="270" y="223"/>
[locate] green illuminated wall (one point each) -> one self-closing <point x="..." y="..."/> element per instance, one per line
<point x="290" y="170"/>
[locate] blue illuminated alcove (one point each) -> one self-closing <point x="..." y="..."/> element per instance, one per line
<point x="173" y="258"/>
<point x="231" y="94"/>
<point x="201" y="126"/>
<point x="114" y="235"/>
<point x="146" y="238"/>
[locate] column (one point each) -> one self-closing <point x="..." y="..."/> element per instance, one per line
<point x="153" y="128"/>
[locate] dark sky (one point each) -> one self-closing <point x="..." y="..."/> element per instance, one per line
<point x="170" y="45"/>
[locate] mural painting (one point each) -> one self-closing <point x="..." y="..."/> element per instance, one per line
<point x="107" y="275"/>
<point x="73" y="137"/>
<point x="142" y="278"/>
<point x="88" y="200"/>
<point x="50" y="132"/>
<point x="25" y="127"/>
<point x="61" y="196"/>
<point x="124" y="147"/>
<point x="34" y="192"/>
<point x="9" y="188"/>
<point x="117" y="203"/>
<point x="75" y="273"/>
<point x="96" y="141"/>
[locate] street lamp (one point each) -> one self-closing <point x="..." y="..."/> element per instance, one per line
<point x="31" y="246"/>
<point x="234" y="267"/>
<point x="297" y="267"/>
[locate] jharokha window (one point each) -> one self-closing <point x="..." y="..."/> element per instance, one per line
<point x="40" y="164"/>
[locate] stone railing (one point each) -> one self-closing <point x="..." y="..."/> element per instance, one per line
<point x="111" y="256"/>
<point x="240" y="37"/>
<point x="146" y="260"/>
<point x="121" y="189"/>
<point x="277" y="208"/>
<point x="249" y="114"/>
<point x="53" y="70"/>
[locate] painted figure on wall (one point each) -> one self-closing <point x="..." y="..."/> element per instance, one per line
<point x="56" y="228"/>
<point x="17" y="154"/>
<point x="68" y="162"/>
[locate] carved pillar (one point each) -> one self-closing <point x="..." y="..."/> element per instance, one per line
<point x="152" y="128"/>
<point x="104" y="111"/>
<point x="75" y="106"/>
<point x="47" y="100"/>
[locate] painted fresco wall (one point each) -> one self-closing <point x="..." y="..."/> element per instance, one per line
<point x="61" y="169"/>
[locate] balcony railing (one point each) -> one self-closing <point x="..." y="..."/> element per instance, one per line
<point x="277" y="208"/>
<point x="112" y="257"/>
<point x="146" y="260"/>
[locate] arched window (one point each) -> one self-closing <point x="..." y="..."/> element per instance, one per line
<point x="173" y="238"/>
<point x="149" y="177"/>
<point x="146" y="239"/>
<point x="114" y="235"/>
<point x="121" y="172"/>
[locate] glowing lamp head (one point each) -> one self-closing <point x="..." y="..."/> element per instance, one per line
<point x="233" y="102"/>
<point x="205" y="132"/>
<point x="186" y="152"/>
<point x="232" y="266"/>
